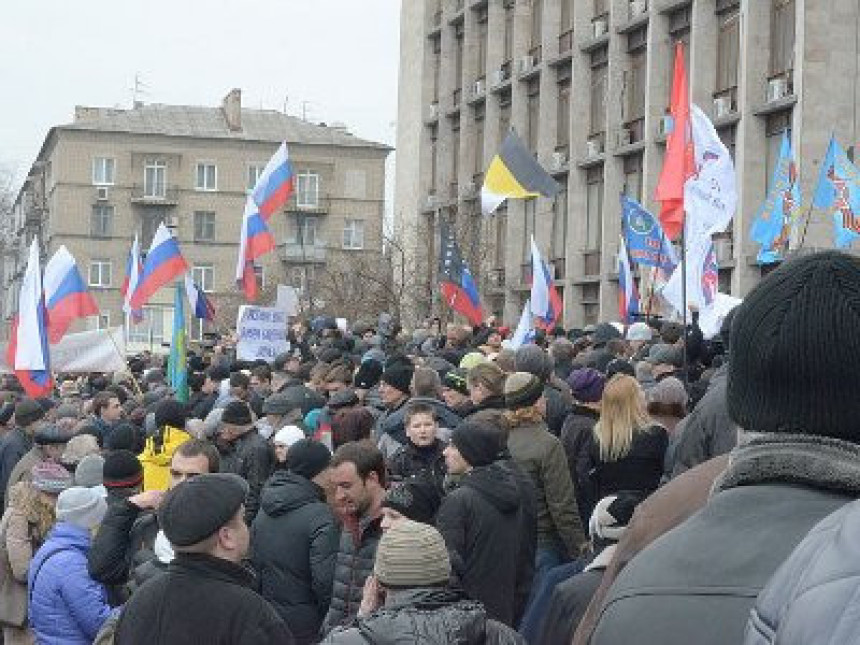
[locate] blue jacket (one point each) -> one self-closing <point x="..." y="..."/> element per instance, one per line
<point x="67" y="607"/>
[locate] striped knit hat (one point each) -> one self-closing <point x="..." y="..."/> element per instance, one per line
<point x="412" y="555"/>
<point x="50" y="477"/>
<point x="522" y="390"/>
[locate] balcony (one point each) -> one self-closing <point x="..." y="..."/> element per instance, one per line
<point x="303" y="253"/>
<point x="320" y="206"/>
<point x="558" y="268"/>
<point x="155" y="195"/>
<point x="565" y="42"/>
<point x="496" y="279"/>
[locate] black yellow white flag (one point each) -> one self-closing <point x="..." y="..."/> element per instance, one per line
<point x="514" y="173"/>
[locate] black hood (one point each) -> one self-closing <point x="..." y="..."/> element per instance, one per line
<point x="497" y="484"/>
<point x="286" y="492"/>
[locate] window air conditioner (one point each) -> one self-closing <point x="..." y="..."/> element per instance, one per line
<point x="777" y="88"/>
<point x="623" y="137"/>
<point x="102" y="193"/>
<point x="599" y="27"/>
<point x="593" y="147"/>
<point x="722" y="106"/>
<point x="559" y="160"/>
<point x="498" y="77"/>
<point x="526" y="63"/>
<point x="638" y="7"/>
<point x="433" y="112"/>
<point x="479" y="88"/>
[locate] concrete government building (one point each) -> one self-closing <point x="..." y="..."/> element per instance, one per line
<point x="113" y="173"/>
<point x="586" y="84"/>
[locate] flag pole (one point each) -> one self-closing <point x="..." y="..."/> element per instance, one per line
<point x="808" y="216"/>
<point x="686" y="365"/>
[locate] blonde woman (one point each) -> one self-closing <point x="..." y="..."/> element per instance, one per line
<point x="628" y="446"/>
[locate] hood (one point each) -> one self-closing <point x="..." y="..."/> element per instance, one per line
<point x="497" y="484"/>
<point x="437" y="616"/>
<point x="285" y="492"/>
<point x="492" y="403"/>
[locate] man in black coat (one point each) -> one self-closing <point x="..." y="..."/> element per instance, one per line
<point x="481" y="520"/>
<point x="28" y="414"/>
<point x="244" y="452"/>
<point x="295" y="539"/>
<point x="206" y="595"/>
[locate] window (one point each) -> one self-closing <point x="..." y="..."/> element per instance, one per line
<point x="594" y="209"/>
<point x="482" y="42"/>
<point x="529" y="212"/>
<point x="101" y="221"/>
<point x="149" y="222"/>
<point x="782" y="37"/>
<point x="204" y="226"/>
<point x="437" y="66"/>
<point x="598" y="99"/>
<point x="353" y="234"/>
<point x="100" y="273"/>
<point x="260" y="274"/>
<point x="204" y="277"/>
<point x="537" y="23"/>
<point x="155" y="179"/>
<point x="728" y="50"/>
<point x="303" y="229"/>
<point x="455" y="150"/>
<point x="633" y="177"/>
<point x="151" y="327"/>
<point x="308" y="188"/>
<point x="559" y="227"/>
<point x="479" y="142"/>
<point x="636" y="87"/>
<point x="601" y="8"/>
<point x="102" y="321"/>
<point x="458" y="54"/>
<point x="206" y="177"/>
<point x="562" y="136"/>
<point x="104" y="169"/>
<point x="533" y="114"/>
<point x="775" y="126"/>
<point x="504" y="116"/>
<point x="501" y="226"/>
<point x="254" y="172"/>
<point x="434" y="155"/>
<point x="566" y="15"/>
<point x="509" y="31"/>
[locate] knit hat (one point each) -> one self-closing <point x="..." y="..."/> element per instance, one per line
<point x="90" y="472"/>
<point x="170" y="412"/>
<point x="522" y="390"/>
<point x="662" y="354"/>
<point x="534" y="360"/>
<point x="81" y="507"/>
<point x="795" y="350"/>
<point x="479" y="442"/>
<point x="411" y="554"/>
<point x="281" y="403"/>
<point x="28" y="411"/>
<point x="124" y="436"/>
<point x="50" y="477"/>
<point x="198" y="507"/>
<point x="619" y="366"/>
<point x="79" y="447"/>
<point x="471" y="359"/>
<point x="586" y="385"/>
<point x="668" y="391"/>
<point x="237" y="413"/>
<point x="368" y="374"/>
<point x="611" y="516"/>
<point x="639" y="331"/>
<point x="308" y="458"/>
<point x="399" y="376"/>
<point x="343" y="399"/>
<point x="122" y="470"/>
<point x="52" y="435"/>
<point x="417" y="499"/>
<point x="456" y="379"/>
<point x="288" y="435"/>
<point x="604" y="332"/>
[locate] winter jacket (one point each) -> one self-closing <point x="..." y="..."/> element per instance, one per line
<point x="17" y="546"/>
<point x="390" y="431"/>
<point x="707" y="431"/>
<point x="67" y="607"/>
<point x="411" y="461"/>
<point x="577" y="435"/>
<point x="253" y="459"/>
<point x="355" y="558"/>
<point x="294" y="543"/>
<point x="525" y="568"/>
<point x="812" y="598"/>
<point x="567" y="605"/>
<point x="203" y="405"/>
<point x="200" y="600"/>
<point x="156" y="456"/>
<point x="698" y="582"/>
<point x="559" y="403"/>
<point x="427" y="616"/>
<point x="490" y="409"/>
<point x="22" y="470"/>
<point x="480" y="522"/>
<point x="13" y="446"/>
<point x="541" y="455"/>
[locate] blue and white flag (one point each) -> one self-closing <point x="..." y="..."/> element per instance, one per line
<point x="646" y="243"/>
<point x="524" y="332"/>
<point x="838" y="194"/>
<point x="777" y="216"/>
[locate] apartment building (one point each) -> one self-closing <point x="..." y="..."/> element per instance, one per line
<point x="113" y="173"/>
<point x="586" y="84"/>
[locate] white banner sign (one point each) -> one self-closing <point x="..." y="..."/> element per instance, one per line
<point x="87" y="351"/>
<point x="262" y="333"/>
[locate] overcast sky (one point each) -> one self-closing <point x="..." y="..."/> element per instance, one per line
<point x="340" y="56"/>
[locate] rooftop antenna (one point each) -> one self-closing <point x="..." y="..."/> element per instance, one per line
<point x="138" y="90"/>
<point x="286" y="101"/>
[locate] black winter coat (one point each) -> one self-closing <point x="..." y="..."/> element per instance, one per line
<point x="525" y="569"/>
<point x="252" y="458"/>
<point x="412" y="461"/>
<point x="294" y="543"/>
<point x="200" y="600"/>
<point x="355" y="558"/>
<point x="577" y="436"/>
<point x="12" y="447"/>
<point x="431" y="616"/>
<point x="481" y="522"/>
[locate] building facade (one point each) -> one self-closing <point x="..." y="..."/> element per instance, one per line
<point x="586" y="84"/>
<point x="113" y="173"/>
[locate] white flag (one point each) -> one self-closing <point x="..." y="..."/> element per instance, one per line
<point x="524" y="332"/>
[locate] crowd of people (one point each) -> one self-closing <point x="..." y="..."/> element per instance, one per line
<point x="606" y="485"/>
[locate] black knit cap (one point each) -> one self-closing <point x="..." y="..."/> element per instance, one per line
<point x="479" y="442"/>
<point x="121" y="470"/>
<point x="308" y="458"/>
<point x="28" y="411"/>
<point x="368" y="374"/>
<point x="457" y="380"/>
<point x="170" y="412"/>
<point x="198" y="507"/>
<point x="399" y="376"/>
<point x="237" y="413"/>
<point x="52" y="435"/>
<point x="795" y="351"/>
<point x="417" y="498"/>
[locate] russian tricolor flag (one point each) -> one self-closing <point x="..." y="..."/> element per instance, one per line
<point x="256" y="240"/>
<point x="27" y="353"/>
<point x="66" y="295"/>
<point x="133" y="269"/>
<point x="201" y="306"/>
<point x="163" y="263"/>
<point x="546" y="304"/>
<point x="628" y="295"/>
<point x="275" y="185"/>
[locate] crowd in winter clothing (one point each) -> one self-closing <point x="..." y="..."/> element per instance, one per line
<point x="611" y="484"/>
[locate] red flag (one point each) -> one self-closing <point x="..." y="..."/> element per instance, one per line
<point x="679" y="163"/>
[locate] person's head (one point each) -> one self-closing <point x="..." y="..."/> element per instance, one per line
<point x="486" y="380"/>
<point x="284" y="439"/>
<point x="351" y="424"/>
<point x="317" y="376"/>
<point x="284" y="407"/>
<point x="665" y="359"/>
<point x="28" y="414"/>
<point x="170" y="413"/>
<point x="420" y="424"/>
<point x="261" y="380"/>
<point x="338" y="377"/>
<point x="192" y="458"/>
<point x="455" y="388"/>
<point x="534" y="360"/>
<point x="52" y="439"/>
<point x="622" y="413"/>
<point x="236" y="421"/>
<point x="240" y="385"/>
<point x="81" y="507"/>
<point x="206" y="515"/>
<point x="358" y="475"/>
<point x="617" y="347"/>
<point x="668" y="398"/>
<point x="562" y="351"/>
<point x="610" y="518"/>
<point x="50" y="478"/>
<point x="394" y="385"/>
<point x="311" y="460"/>
<point x="122" y="474"/>
<point x="411" y="555"/>
<point x="587" y="385"/>
<point x="196" y="381"/>
<point x="90" y="471"/>
<point x="523" y="396"/>
<point x="77" y="448"/>
<point x="107" y="407"/>
<point x="474" y="444"/>
<point x="638" y="335"/>
<point x="417" y="499"/>
<point x="426" y="383"/>
<point x="368" y="374"/>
